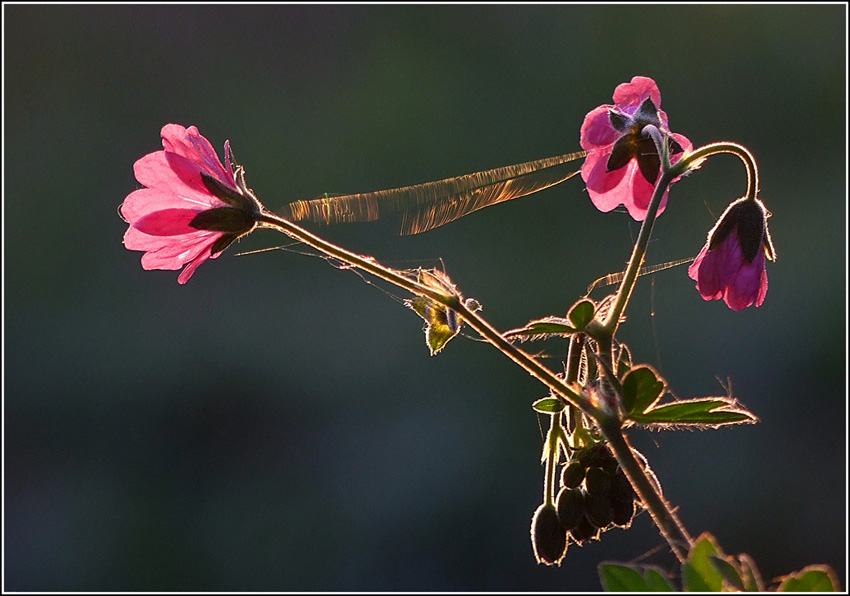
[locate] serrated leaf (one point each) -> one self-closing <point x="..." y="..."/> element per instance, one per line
<point x="548" y="405"/>
<point x="642" y="388"/>
<point x="617" y="577"/>
<point x="812" y="578"/>
<point x="542" y="328"/>
<point x="581" y="313"/>
<point x="750" y="574"/>
<point x="706" y="411"/>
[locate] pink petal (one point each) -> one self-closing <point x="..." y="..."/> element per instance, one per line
<point x="640" y="193"/>
<point x="745" y="286"/>
<point x="157" y="171"/>
<point x="596" y="130"/>
<point x="605" y="188"/>
<point x="145" y="201"/>
<point x="190" y="268"/>
<point x="636" y="91"/>
<point x="136" y="240"/>
<point x="189" y="144"/>
<point x="175" y="255"/>
<point x="167" y="222"/>
<point x="704" y="271"/>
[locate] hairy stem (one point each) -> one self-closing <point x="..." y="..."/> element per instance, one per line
<point x="624" y="292"/>
<point x="662" y="513"/>
<point x="693" y="160"/>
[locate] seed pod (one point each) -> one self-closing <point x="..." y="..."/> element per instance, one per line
<point x="570" y="506"/>
<point x="609" y="462"/>
<point x="597" y="482"/>
<point x="593" y="456"/>
<point x="548" y="536"/>
<point x="620" y="486"/>
<point x="572" y="474"/>
<point x="624" y="512"/>
<point x="599" y="511"/>
<point x="584" y="531"/>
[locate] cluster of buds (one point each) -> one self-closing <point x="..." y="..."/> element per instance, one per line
<point x="594" y="496"/>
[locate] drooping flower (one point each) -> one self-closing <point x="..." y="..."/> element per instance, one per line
<point x="623" y="163"/>
<point x="731" y="265"/>
<point x="192" y="208"/>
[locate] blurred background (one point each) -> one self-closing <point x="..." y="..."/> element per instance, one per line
<point x="277" y="424"/>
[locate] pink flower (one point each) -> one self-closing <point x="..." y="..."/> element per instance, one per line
<point x="192" y="207"/>
<point x="623" y="163"/>
<point x="731" y="265"/>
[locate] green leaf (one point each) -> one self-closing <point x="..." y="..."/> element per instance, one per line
<point x="693" y="581"/>
<point x="657" y="581"/>
<point x="548" y="405"/>
<point x="812" y="578"/>
<point x="618" y="577"/>
<point x="542" y="328"/>
<point x="699" y="573"/>
<point x="706" y="411"/>
<point x="729" y="572"/>
<point x="750" y="574"/>
<point x="581" y="313"/>
<point x="621" y="578"/>
<point x="641" y="389"/>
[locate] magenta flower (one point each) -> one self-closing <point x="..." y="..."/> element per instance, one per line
<point x="731" y="265"/>
<point x="623" y="163"/>
<point x="192" y="207"/>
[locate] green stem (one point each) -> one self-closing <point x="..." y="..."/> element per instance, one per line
<point x="624" y="292"/>
<point x="669" y="173"/>
<point x="553" y="454"/>
<point x="692" y="160"/>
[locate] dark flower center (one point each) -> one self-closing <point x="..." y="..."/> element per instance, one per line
<point x="634" y="144"/>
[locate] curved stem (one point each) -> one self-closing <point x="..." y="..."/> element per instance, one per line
<point x="693" y="160"/>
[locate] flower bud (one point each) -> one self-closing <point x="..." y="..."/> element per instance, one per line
<point x="572" y="474"/>
<point x="600" y="512"/>
<point x="598" y="483"/>
<point x="620" y="486"/>
<point x="624" y="511"/>
<point x="570" y="505"/>
<point x="548" y="536"/>
<point x="584" y="531"/>
<point x="731" y="265"/>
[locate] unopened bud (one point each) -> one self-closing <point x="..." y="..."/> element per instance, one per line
<point x="570" y="505"/>
<point x="572" y="474"/>
<point x="548" y="536"/>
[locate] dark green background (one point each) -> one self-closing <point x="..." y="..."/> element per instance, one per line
<point x="277" y="424"/>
